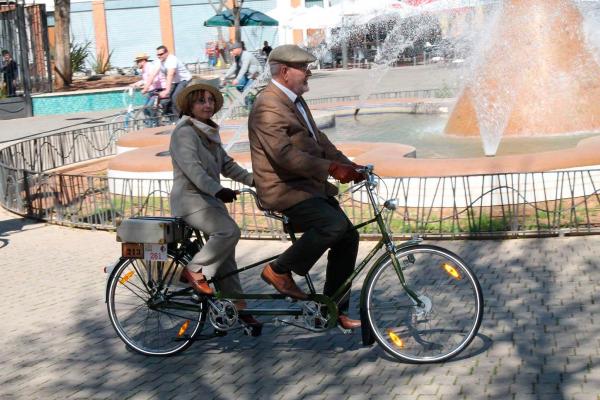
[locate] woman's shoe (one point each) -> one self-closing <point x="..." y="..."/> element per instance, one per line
<point x="197" y="280"/>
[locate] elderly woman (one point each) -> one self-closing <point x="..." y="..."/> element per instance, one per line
<point x="197" y="195"/>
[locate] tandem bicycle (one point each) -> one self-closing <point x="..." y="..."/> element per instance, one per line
<point x="421" y="303"/>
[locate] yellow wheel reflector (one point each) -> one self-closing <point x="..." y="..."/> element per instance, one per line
<point x="183" y="328"/>
<point x="453" y="272"/>
<point x="395" y="339"/>
<point x="126" y="277"/>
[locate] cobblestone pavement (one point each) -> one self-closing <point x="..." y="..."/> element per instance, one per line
<point x="539" y="338"/>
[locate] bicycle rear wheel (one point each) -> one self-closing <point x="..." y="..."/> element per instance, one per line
<point x="448" y="318"/>
<point x="151" y="311"/>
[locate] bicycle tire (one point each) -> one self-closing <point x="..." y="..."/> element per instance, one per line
<point x="452" y="305"/>
<point x="152" y="330"/>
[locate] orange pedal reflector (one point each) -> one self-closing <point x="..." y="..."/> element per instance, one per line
<point x="125" y="277"/>
<point x="395" y="339"/>
<point x="183" y="328"/>
<point x="453" y="272"/>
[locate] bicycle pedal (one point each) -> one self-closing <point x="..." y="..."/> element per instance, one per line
<point x="253" y="331"/>
<point x="345" y="331"/>
<point x="220" y="333"/>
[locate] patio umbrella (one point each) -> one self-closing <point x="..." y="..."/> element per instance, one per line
<point x="248" y="17"/>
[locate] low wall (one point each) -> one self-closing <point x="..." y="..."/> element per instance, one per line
<point x="82" y="100"/>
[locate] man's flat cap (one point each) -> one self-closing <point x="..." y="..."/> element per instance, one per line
<point x="290" y="53"/>
<point x="237" y="45"/>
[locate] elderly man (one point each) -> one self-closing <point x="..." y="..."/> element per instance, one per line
<point x="291" y="160"/>
<point x="244" y="69"/>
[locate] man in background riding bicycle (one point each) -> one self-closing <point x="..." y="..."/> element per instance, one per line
<point x="245" y="69"/>
<point x="291" y="160"/>
<point x="176" y="76"/>
<point x="143" y="62"/>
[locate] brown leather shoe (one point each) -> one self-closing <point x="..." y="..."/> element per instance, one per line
<point x="197" y="281"/>
<point x="347" y="323"/>
<point x="284" y="283"/>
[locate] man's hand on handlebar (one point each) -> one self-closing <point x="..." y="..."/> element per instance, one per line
<point x="345" y="172"/>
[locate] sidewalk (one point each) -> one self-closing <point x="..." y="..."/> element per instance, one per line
<point x="538" y="340"/>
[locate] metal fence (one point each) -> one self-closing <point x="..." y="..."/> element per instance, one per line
<point x="239" y="111"/>
<point x="498" y="205"/>
<point x="24" y="32"/>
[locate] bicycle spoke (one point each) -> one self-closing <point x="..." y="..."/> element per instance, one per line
<point x="446" y="318"/>
<point x="140" y="310"/>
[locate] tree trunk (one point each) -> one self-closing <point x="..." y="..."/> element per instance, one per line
<point x="62" y="58"/>
<point x="236" y="24"/>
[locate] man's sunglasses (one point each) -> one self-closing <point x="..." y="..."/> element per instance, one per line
<point x="301" y="67"/>
<point x="160" y="54"/>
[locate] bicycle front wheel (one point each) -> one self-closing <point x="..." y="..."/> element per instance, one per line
<point x="444" y="320"/>
<point x="151" y="311"/>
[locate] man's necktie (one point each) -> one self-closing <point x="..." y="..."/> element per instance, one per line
<point x="300" y="108"/>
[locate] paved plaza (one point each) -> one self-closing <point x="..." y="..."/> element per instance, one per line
<point x="539" y="338"/>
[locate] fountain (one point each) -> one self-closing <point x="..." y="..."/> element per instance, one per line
<point x="553" y="90"/>
<point x="536" y="77"/>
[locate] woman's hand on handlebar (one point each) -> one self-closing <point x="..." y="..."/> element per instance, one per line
<point x="227" y="195"/>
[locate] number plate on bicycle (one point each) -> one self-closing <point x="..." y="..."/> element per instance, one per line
<point x="155" y="252"/>
<point x="132" y="250"/>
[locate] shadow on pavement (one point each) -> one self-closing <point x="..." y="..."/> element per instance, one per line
<point x="12" y="226"/>
<point x="537" y="337"/>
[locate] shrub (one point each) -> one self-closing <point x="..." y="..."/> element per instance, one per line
<point x="79" y="55"/>
<point x="101" y="63"/>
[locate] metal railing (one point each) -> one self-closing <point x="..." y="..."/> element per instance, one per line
<point x="481" y="206"/>
<point x="441" y="93"/>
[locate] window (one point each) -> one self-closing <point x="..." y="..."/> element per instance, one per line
<point x="310" y="3"/>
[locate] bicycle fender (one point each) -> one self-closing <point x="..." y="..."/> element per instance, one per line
<point x="110" y="270"/>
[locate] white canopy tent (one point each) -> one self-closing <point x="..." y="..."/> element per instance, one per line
<point x="354" y="11"/>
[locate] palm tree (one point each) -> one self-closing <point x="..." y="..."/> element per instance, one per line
<point x="62" y="58"/>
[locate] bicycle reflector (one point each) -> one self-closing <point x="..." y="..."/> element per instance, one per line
<point x="451" y="271"/>
<point x="395" y="339"/>
<point x="183" y="328"/>
<point x="126" y="277"/>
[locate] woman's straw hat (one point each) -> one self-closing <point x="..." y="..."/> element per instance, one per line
<point x="141" y="56"/>
<point x="201" y="84"/>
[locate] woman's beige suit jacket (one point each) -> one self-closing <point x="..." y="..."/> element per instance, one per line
<point x="289" y="165"/>
<point x="197" y="166"/>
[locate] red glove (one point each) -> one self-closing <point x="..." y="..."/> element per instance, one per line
<point x="344" y="172"/>
<point x="362" y="176"/>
